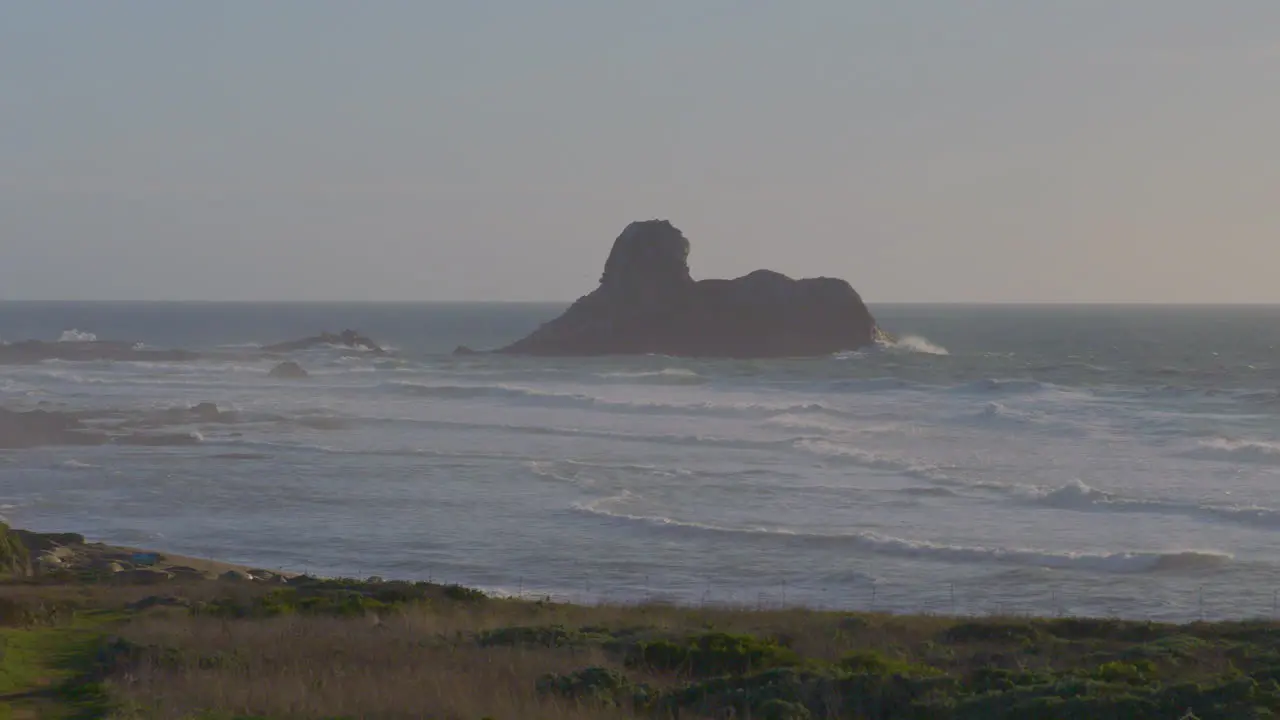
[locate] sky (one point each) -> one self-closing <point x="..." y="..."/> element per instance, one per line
<point x="415" y="150"/>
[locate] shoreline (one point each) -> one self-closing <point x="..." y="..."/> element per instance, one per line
<point x="57" y="554"/>
<point x="165" y="643"/>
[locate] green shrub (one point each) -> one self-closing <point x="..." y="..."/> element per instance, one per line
<point x="782" y="710"/>
<point x="458" y="593"/>
<point x="1121" y="672"/>
<point x="546" y="636"/>
<point x="712" y="654"/>
<point x="993" y="631"/>
<point x="1104" y="629"/>
<point x="870" y="662"/>
<point x="14" y="558"/>
<point x="596" y="685"/>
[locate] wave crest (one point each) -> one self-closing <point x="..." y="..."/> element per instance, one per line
<point x="913" y="344"/>
<point x="1246" y="451"/>
<point x="1077" y="495"/>
<point x="1125" y="562"/>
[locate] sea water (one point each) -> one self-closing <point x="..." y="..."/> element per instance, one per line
<point x="1085" y="460"/>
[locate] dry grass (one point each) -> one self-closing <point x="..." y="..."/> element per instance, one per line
<point x="430" y="657"/>
<point x="406" y="666"/>
<point x="425" y="663"/>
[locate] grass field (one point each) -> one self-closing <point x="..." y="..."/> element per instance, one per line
<point x="313" y="648"/>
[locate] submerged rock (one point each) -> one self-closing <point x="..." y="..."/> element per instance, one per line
<point x="346" y="338"/>
<point x="648" y="303"/>
<point x="288" y="370"/>
<point x="205" y="412"/>
<point x="36" y="428"/>
<point x="158" y="439"/>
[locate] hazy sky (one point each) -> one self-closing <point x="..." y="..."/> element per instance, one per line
<point x="1081" y="150"/>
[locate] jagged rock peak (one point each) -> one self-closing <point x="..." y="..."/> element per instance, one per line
<point x="649" y="256"/>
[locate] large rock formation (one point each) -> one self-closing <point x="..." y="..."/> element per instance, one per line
<point x="647" y="302"/>
<point x="346" y="339"/>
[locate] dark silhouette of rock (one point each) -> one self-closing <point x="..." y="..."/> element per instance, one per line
<point x="205" y="412"/>
<point x="34" y="351"/>
<point x="647" y="303"/>
<point x="288" y="370"/>
<point x="41" y="427"/>
<point x="463" y="350"/>
<point x="346" y="338"/>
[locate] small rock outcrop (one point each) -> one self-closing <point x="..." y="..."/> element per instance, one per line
<point x="346" y="339"/>
<point x="288" y="370"/>
<point x="648" y="303"/>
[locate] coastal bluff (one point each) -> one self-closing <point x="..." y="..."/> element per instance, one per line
<point x="648" y="303"/>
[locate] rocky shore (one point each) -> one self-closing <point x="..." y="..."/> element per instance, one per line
<point x="53" y="556"/>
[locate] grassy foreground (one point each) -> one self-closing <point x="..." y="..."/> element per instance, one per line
<point x="84" y="646"/>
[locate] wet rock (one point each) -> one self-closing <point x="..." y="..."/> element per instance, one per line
<point x="206" y="413"/>
<point x="37" y="542"/>
<point x="288" y="370"/>
<point x="648" y="303"/>
<point x="235" y="576"/>
<point x="182" y="572"/>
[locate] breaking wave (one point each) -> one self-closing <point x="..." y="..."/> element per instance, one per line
<point x="881" y="544"/>
<point x="1079" y="496"/>
<point x="1007" y="387"/>
<point x="667" y="376"/>
<point x="914" y="344"/>
<point x="1245" y="451"/>
<point x="74" y="335"/>
<point x="869" y="459"/>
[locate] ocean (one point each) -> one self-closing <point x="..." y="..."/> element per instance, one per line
<point x="1065" y="460"/>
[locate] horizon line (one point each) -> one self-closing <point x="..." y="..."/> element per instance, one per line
<point x="920" y="303"/>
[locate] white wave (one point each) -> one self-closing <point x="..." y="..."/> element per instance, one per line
<point x="1009" y="386"/>
<point x="914" y="344"/>
<point x="543" y="470"/>
<point x="1077" y="495"/>
<point x="880" y="544"/>
<point x="1246" y="451"/>
<point x="582" y="400"/>
<point x="999" y="414"/>
<point x="666" y="376"/>
<point x="870" y="459"/>
<point x="74" y="335"/>
<point x="78" y="465"/>
<point x="808" y="422"/>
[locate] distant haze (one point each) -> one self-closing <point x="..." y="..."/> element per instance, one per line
<point x="926" y="151"/>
